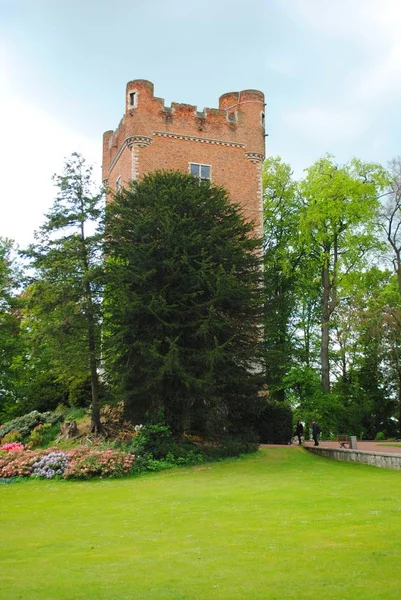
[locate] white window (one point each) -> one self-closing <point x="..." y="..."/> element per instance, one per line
<point x="203" y="172"/>
<point x="118" y="184"/>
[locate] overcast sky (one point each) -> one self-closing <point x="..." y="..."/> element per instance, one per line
<point x="330" y="70"/>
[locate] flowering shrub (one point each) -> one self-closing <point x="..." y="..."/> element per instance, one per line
<point x="17" y="464"/>
<point x="13" y="447"/>
<point x="78" y="463"/>
<point x="51" y="465"/>
<point x="86" y="463"/>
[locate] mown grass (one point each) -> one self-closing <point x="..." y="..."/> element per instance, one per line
<point x="391" y="445"/>
<point x="281" y="524"/>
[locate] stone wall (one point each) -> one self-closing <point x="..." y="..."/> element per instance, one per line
<point x="375" y="459"/>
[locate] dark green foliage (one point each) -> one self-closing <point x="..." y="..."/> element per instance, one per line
<point x="275" y="424"/>
<point x="155" y="440"/>
<point x="10" y="327"/>
<point x="43" y="392"/>
<point x="183" y="303"/>
<point x="235" y="445"/>
<point x="156" y="449"/>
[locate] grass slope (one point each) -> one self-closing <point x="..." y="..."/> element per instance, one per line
<point x="281" y="524"/>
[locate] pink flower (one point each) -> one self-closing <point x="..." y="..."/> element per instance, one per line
<point x="13" y="447"/>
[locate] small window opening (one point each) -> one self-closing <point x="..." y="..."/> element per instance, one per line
<point x="132" y="99"/>
<point x="118" y="184"/>
<point x="202" y="172"/>
<point x="262" y="118"/>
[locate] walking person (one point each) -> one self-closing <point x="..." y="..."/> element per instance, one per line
<point x="315" y="432"/>
<point x="299" y="431"/>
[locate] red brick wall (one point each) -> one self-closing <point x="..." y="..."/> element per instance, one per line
<point x="230" y="139"/>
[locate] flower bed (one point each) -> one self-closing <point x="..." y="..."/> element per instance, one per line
<point x="78" y="463"/>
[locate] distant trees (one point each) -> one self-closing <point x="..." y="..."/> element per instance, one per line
<point x="337" y="226"/>
<point x="172" y="313"/>
<point x="391" y="217"/>
<point x="342" y="319"/>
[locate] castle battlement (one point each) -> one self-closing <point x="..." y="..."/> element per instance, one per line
<point x="239" y="118"/>
<point x="229" y="141"/>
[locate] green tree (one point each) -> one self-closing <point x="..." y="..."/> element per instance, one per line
<point x="282" y="259"/>
<point x="361" y="357"/>
<point x="391" y="217"/>
<point x="65" y="295"/>
<point x="183" y="304"/>
<point x="10" y="319"/>
<point x="338" y="229"/>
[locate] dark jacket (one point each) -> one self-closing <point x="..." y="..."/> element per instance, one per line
<point x="299" y="429"/>
<point x="315" y="429"/>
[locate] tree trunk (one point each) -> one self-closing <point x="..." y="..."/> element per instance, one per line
<point x="399" y="402"/>
<point x="398" y="262"/>
<point x="96" y="426"/>
<point x="324" y="354"/>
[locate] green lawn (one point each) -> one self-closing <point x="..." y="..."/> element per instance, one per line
<point x="391" y="445"/>
<point x="282" y="524"/>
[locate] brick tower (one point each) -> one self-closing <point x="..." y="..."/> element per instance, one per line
<point x="225" y="144"/>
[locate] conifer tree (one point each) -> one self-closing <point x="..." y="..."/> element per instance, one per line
<point x="65" y="291"/>
<point x="183" y="305"/>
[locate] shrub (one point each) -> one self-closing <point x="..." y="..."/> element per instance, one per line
<point x="146" y="463"/>
<point x="380" y="436"/>
<point x="78" y="463"/>
<point x="190" y="458"/>
<point x="12" y="437"/>
<point x="85" y="463"/>
<point x="275" y="424"/>
<point x="155" y="440"/>
<point x="51" y="465"/>
<point x="37" y="436"/>
<point x="230" y="446"/>
<point x="18" y="464"/>
<point x="26" y="423"/>
<point x="13" y="447"/>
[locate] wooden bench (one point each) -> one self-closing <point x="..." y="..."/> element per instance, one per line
<point x="344" y="441"/>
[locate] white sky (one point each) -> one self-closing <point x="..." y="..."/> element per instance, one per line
<point x="330" y="70"/>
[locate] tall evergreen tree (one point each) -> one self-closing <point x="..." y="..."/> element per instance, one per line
<point x="183" y="305"/>
<point x="65" y="293"/>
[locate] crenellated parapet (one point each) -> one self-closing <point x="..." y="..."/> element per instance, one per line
<point x="225" y="144"/>
<point x="237" y="122"/>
